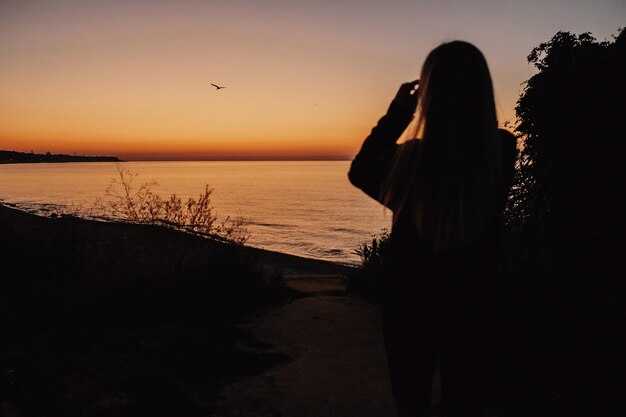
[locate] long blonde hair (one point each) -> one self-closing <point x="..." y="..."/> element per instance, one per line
<point x="448" y="181"/>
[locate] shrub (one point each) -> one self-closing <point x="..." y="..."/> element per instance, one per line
<point x="564" y="221"/>
<point x="368" y="280"/>
<point x="565" y="214"/>
<point x="139" y="204"/>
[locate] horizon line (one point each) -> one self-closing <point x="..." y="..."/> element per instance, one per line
<point x="244" y="159"/>
<point x="139" y="157"/>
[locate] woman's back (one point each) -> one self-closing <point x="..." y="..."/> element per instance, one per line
<point x="406" y="244"/>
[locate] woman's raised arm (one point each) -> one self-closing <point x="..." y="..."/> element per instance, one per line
<point x="371" y="165"/>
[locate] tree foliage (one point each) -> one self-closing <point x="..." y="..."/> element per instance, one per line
<point x="565" y="221"/>
<point x="571" y="120"/>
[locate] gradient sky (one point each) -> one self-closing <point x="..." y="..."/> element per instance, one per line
<point x="304" y="79"/>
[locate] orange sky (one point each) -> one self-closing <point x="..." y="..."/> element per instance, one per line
<point x="304" y="79"/>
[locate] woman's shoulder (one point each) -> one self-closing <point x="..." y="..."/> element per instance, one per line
<point x="509" y="141"/>
<point x="410" y="145"/>
<point x="507" y="136"/>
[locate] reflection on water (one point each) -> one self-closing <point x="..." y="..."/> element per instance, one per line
<point x="305" y="208"/>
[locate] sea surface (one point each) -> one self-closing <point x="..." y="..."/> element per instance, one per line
<point x="305" y="208"/>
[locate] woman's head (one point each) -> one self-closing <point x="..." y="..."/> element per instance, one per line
<point x="455" y="82"/>
<point x="449" y="185"/>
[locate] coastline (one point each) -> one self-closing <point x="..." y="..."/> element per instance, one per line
<point x="292" y="264"/>
<point x="241" y="190"/>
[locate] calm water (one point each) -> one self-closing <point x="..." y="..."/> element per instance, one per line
<point x="302" y="208"/>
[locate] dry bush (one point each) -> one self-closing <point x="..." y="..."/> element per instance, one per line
<point x="139" y="204"/>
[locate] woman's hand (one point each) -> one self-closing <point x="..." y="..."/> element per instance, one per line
<point x="405" y="102"/>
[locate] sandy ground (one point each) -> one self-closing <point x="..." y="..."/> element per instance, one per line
<point x="338" y="365"/>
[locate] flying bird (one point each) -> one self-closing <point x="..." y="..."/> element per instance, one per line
<point x="217" y="87"/>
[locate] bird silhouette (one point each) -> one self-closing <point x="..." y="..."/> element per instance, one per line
<point x="217" y="87"/>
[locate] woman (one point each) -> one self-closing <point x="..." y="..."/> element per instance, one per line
<point x="447" y="191"/>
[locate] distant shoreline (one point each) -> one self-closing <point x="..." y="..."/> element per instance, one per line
<point x="12" y="157"/>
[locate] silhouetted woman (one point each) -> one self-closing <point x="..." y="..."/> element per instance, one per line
<point x="447" y="189"/>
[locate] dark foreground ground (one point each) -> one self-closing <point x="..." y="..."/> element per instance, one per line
<point x="320" y="355"/>
<point x="105" y="319"/>
<point x="102" y="319"/>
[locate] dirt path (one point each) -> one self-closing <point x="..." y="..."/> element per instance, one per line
<point x="338" y="365"/>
